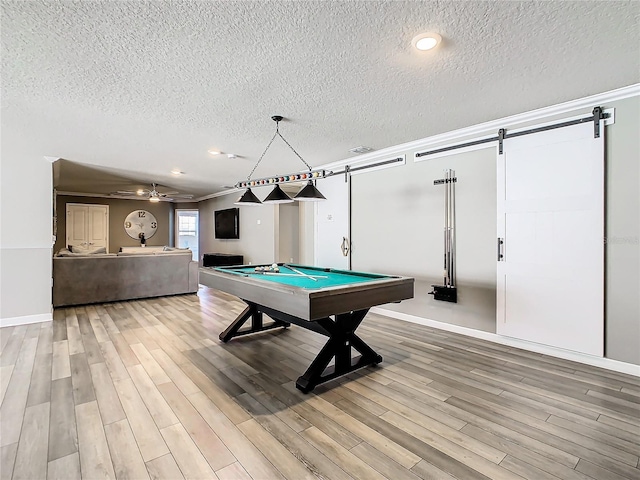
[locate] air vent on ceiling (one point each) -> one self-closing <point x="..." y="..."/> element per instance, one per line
<point x="361" y="149"/>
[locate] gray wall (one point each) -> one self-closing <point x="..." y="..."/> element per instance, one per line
<point x="258" y="230"/>
<point x="288" y="232"/>
<point x="118" y="210"/>
<point x="397" y="221"/>
<point x="306" y="247"/>
<point x="622" y="307"/>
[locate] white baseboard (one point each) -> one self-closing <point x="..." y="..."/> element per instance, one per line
<point x="14" y="321"/>
<point x="602" y="362"/>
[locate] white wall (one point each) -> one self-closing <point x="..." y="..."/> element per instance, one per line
<point x="306" y="235"/>
<point x="288" y="237"/>
<point x="26" y="212"/>
<point x="397" y="228"/>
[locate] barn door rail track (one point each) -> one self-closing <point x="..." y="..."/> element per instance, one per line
<point x="597" y="115"/>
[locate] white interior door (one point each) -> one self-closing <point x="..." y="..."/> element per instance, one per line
<point x="97" y="226"/>
<point x="76" y="224"/>
<point x="332" y="242"/>
<point x="87" y="225"/>
<point x="550" y="285"/>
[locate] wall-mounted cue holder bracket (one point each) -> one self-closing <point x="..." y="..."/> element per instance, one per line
<point x="445" y="180"/>
<point x="444" y="293"/>
<point x="448" y="291"/>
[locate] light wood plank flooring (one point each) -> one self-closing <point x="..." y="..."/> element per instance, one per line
<point x="144" y="389"/>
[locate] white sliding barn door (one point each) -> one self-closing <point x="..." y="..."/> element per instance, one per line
<point x="332" y="242"/>
<point x="550" y="285"/>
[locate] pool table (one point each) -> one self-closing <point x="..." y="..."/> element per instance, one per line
<point x="325" y="300"/>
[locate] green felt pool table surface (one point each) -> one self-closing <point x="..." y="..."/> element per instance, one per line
<point x="290" y="274"/>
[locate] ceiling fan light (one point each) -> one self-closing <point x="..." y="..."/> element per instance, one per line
<point x="309" y="193"/>
<point x="154" y="199"/>
<point x="248" y="199"/>
<point x="277" y="195"/>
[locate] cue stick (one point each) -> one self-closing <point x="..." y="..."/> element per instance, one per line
<point x="446" y="229"/>
<point x="453" y="229"/>
<point x="300" y="273"/>
<point x="283" y="274"/>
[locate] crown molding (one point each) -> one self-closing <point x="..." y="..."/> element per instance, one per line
<point x="488" y="129"/>
<point x="217" y="194"/>
<point x="117" y="197"/>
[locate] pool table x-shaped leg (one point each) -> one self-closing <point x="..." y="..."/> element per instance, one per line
<point x="342" y="338"/>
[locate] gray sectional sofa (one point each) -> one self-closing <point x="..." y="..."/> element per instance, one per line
<point x="80" y="279"/>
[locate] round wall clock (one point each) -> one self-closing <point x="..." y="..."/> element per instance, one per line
<point x="140" y="222"/>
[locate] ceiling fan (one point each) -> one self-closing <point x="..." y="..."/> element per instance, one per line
<point x="153" y="195"/>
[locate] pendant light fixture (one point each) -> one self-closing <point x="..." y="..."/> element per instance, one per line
<point x="308" y="193"/>
<point x="248" y="199"/>
<point x="278" y="195"/>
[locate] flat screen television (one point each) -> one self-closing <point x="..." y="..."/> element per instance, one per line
<point x="227" y="223"/>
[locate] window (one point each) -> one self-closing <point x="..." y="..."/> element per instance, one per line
<point x="187" y="225"/>
<point x="187" y="230"/>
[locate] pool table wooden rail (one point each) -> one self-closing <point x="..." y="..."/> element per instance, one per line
<point x="310" y="304"/>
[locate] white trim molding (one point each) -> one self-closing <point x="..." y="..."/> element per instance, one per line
<point x="382" y="167"/>
<point x="489" y="129"/>
<point x="25" y="320"/>
<point x="606" y="363"/>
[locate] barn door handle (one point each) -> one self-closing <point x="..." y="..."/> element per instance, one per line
<point x="500" y="249"/>
<point x="345" y="247"/>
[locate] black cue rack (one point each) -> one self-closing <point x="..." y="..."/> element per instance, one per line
<point x="448" y="291"/>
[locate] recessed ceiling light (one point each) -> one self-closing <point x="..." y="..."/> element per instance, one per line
<point x="426" y="41"/>
<point x="177" y="172"/>
<point x="214" y="152"/>
<point x="140" y="192"/>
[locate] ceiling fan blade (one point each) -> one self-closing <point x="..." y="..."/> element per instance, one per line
<point x="183" y="195"/>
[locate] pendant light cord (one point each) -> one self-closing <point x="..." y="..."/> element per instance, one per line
<point x="277" y="134"/>
<point x="261" y="156"/>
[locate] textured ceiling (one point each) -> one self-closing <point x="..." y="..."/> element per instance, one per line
<point x="145" y="87"/>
